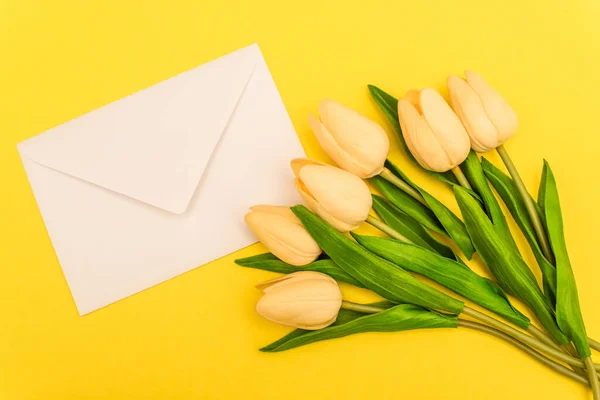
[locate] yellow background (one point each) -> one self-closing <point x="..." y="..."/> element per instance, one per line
<point x="197" y="336"/>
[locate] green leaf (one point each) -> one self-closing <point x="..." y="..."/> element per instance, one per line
<point x="268" y="262"/>
<point x="512" y="273"/>
<point x="408" y="205"/>
<point x="473" y="170"/>
<point x="451" y="274"/>
<point x="389" y="106"/>
<point x="381" y="276"/>
<point x="568" y="312"/>
<point x="402" y="317"/>
<point x="452" y="225"/>
<point x="409" y="227"/>
<point x="509" y="193"/>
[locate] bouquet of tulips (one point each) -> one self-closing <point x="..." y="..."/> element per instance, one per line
<point x="310" y="246"/>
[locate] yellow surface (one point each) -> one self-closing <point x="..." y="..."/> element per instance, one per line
<point x="196" y="336"/>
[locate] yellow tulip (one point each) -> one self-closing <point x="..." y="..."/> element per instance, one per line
<point x="305" y="300"/>
<point x="283" y="234"/>
<point x="432" y="131"/>
<point x="487" y="117"/>
<point x="356" y="143"/>
<point x="339" y="197"/>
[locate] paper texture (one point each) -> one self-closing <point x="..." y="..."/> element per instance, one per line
<point x="157" y="183"/>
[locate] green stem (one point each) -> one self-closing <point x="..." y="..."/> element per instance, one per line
<point x="405" y="187"/>
<point x="594" y="344"/>
<point x="528" y="340"/>
<point x="363" y="308"/>
<point x="533" y="215"/>
<point x="541" y="336"/>
<point x="462" y="179"/>
<point x="570" y="349"/>
<point x="589" y="365"/>
<point x="537" y="356"/>
<point x="383" y="227"/>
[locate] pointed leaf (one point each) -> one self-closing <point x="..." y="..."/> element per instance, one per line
<point x="381" y="276"/>
<point x="568" y="312"/>
<point x="451" y="274"/>
<point x="509" y="193"/>
<point x="474" y="172"/>
<point x="408" y="205"/>
<point x="402" y="317"/>
<point x="407" y="226"/>
<point x="508" y="267"/>
<point x="452" y="225"/>
<point x="268" y="262"/>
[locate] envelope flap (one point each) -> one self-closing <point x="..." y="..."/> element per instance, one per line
<point x="153" y="145"/>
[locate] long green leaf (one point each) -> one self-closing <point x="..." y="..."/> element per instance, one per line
<point x="408" y="205"/>
<point x="568" y="312"/>
<point x="509" y="193"/>
<point x="381" y="276"/>
<point x="343" y="317"/>
<point x="451" y="274"/>
<point x="508" y="267"/>
<point x="409" y="227"/>
<point x="451" y="224"/>
<point x="268" y="262"/>
<point x="402" y="317"/>
<point x="389" y="106"/>
<point x="474" y="172"/>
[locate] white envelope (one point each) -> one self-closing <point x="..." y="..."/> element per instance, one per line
<point x="157" y="183"/>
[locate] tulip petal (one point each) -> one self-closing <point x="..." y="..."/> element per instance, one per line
<point x="412" y="96"/>
<point x="497" y="108"/>
<point x="446" y="126"/>
<point x="356" y="143"/>
<point x="283" y="211"/>
<point x="308" y="302"/>
<point x="340" y="193"/>
<point x="289" y="241"/>
<point x="298" y="163"/>
<point x="294" y="276"/>
<point x="469" y="108"/>
<point x="420" y="139"/>
<point x="315" y="207"/>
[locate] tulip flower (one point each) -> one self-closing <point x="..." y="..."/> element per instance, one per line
<point x="433" y="133"/>
<point x="339" y="197"/>
<point x="487" y="117"/>
<point x="306" y="300"/>
<point x="283" y="234"/>
<point x="490" y="121"/>
<point x="356" y="143"/>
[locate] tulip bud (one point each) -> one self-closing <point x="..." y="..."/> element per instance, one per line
<point x="487" y="117"/>
<point x="339" y="197"/>
<point x="433" y="133"/>
<point x="283" y="234"/>
<point x="305" y="300"/>
<point x="356" y="143"/>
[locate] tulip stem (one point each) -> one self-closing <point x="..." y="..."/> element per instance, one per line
<point x="542" y="336"/>
<point x="531" y="210"/>
<point x="589" y="365"/>
<point x="462" y="179"/>
<point x="362" y="308"/>
<point x="545" y="338"/>
<point x="537" y="356"/>
<point x="383" y="227"/>
<point x="528" y="340"/>
<point x="594" y="344"/>
<point x="405" y="187"/>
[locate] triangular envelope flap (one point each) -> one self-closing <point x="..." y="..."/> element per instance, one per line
<point x="153" y="145"/>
